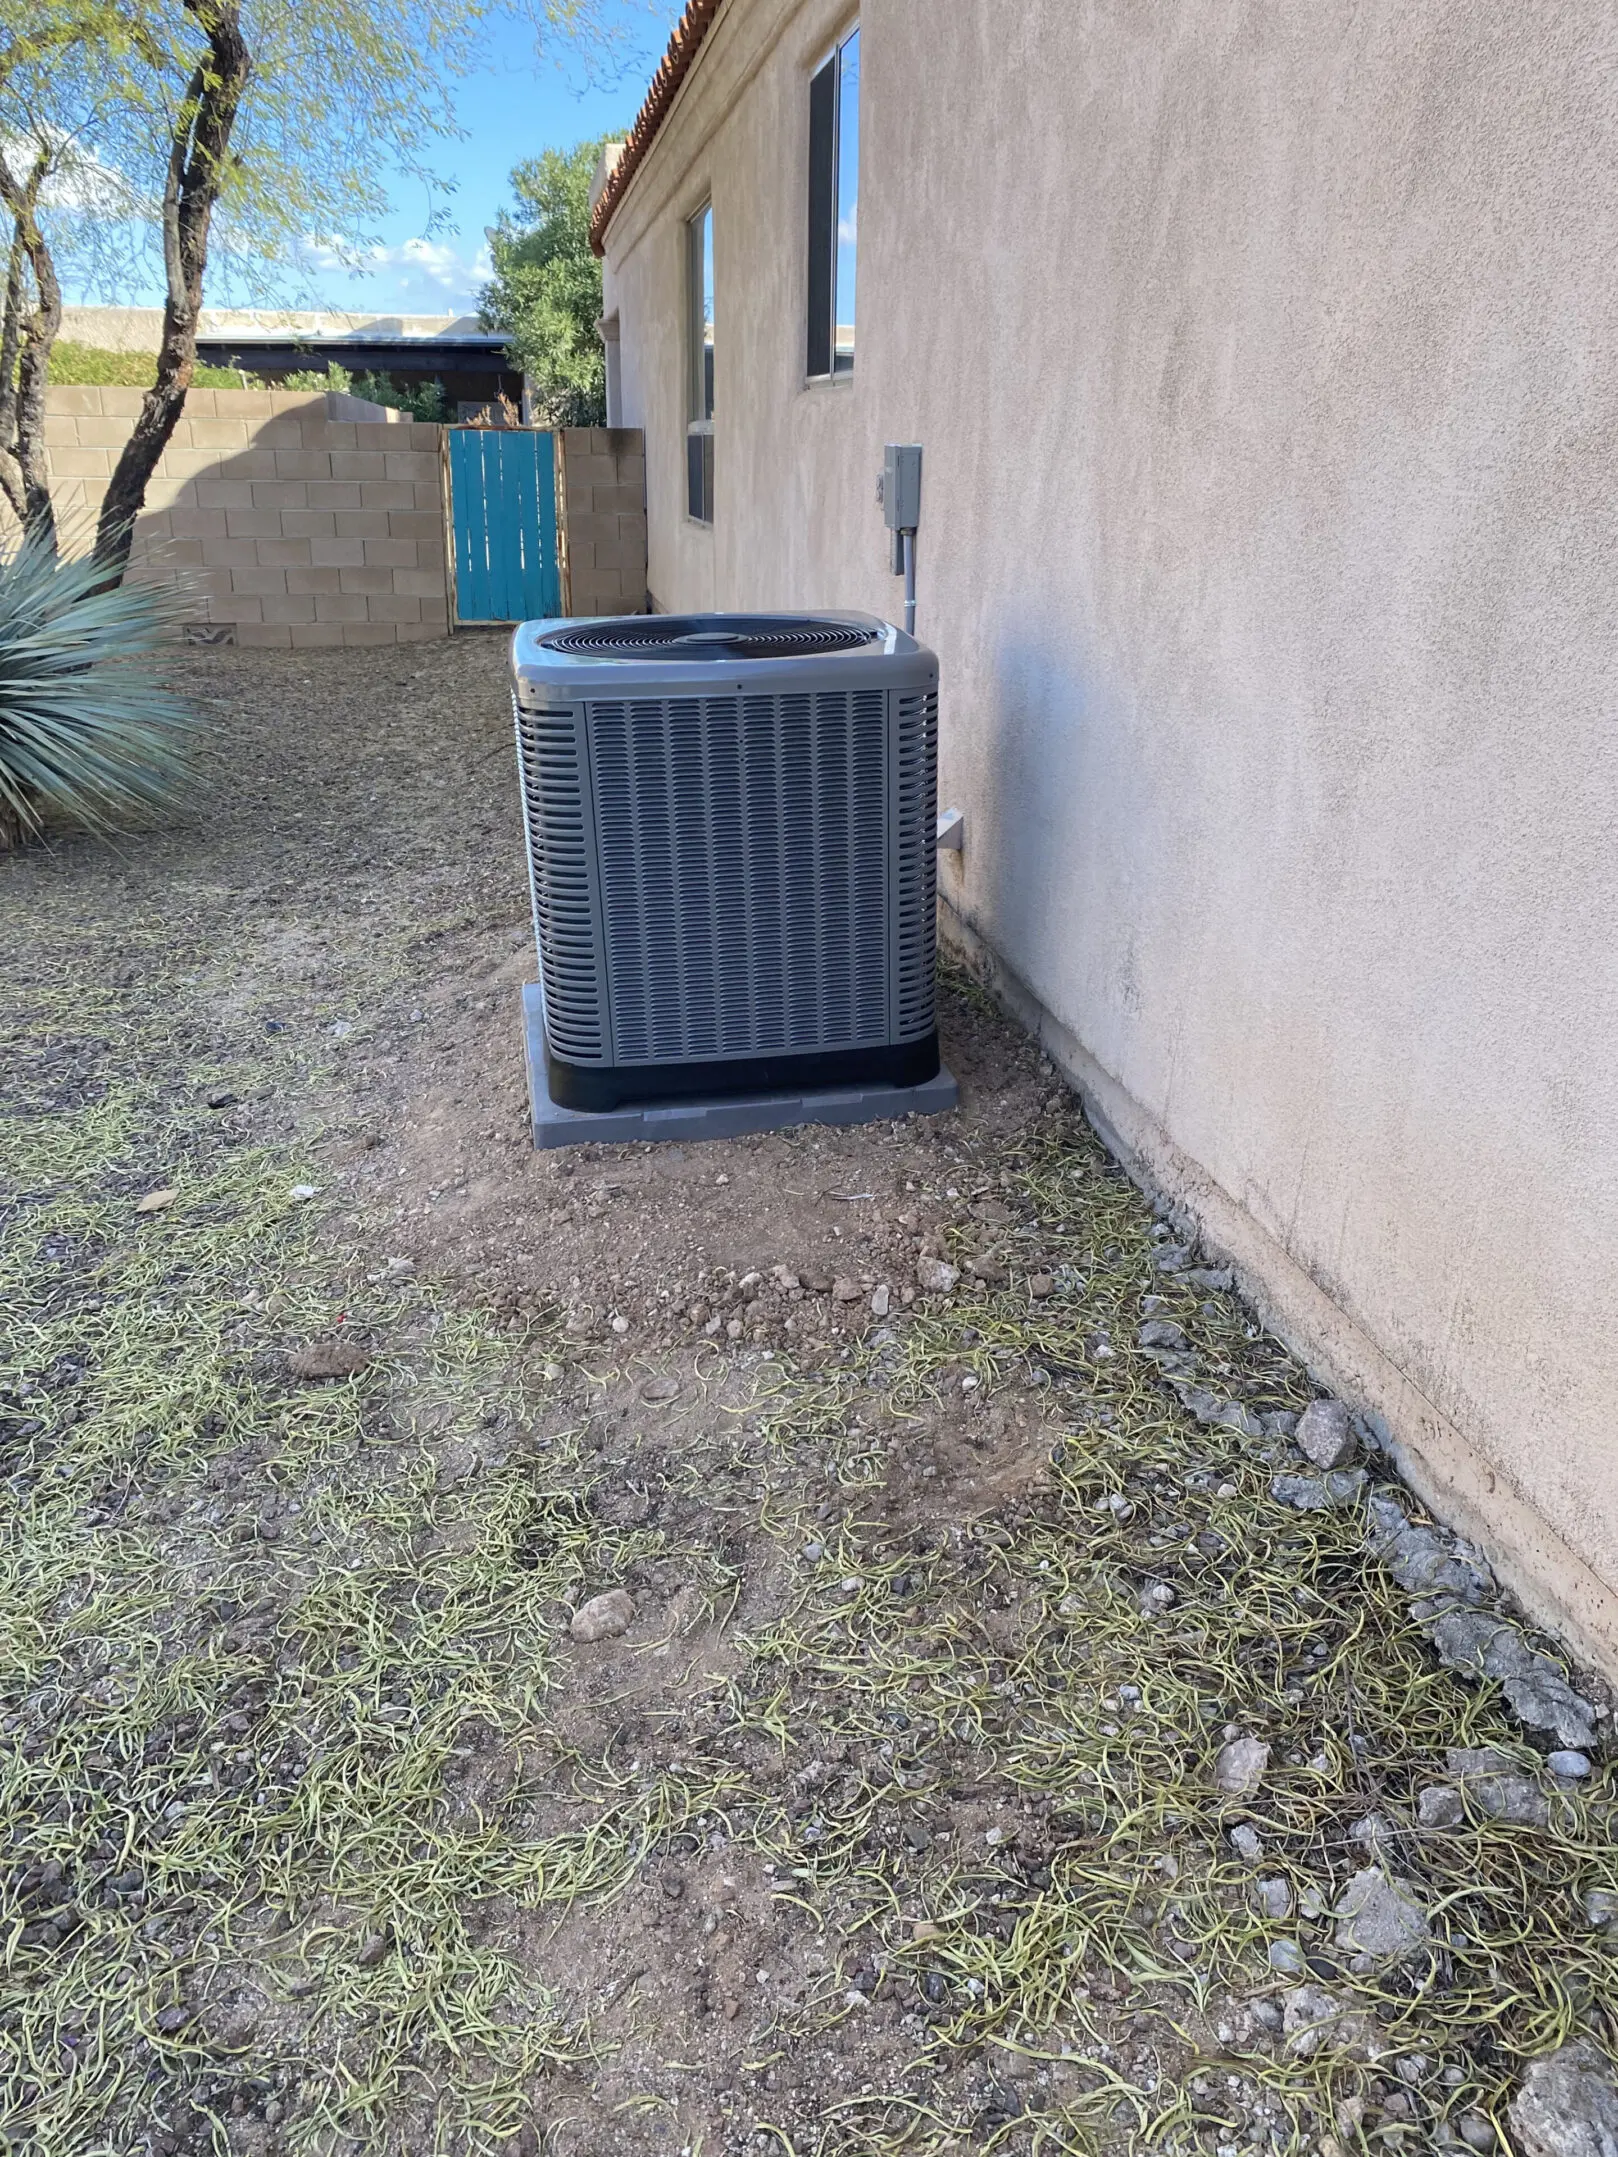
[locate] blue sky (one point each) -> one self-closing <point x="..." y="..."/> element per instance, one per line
<point x="520" y="104"/>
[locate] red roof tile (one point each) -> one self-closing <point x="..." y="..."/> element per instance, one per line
<point x="689" y="33"/>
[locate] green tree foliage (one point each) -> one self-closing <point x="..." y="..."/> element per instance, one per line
<point x="244" y="127"/>
<point x="546" y="289"/>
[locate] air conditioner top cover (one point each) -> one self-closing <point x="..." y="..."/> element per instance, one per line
<point x="618" y="654"/>
<point x="730" y="823"/>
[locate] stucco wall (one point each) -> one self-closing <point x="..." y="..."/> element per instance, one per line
<point x="296" y="518"/>
<point x="1262" y="359"/>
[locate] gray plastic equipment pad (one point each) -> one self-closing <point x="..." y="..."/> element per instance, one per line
<point x="732" y="1116"/>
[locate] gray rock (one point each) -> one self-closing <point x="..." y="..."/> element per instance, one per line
<point x="1440" y="1805"/>
<point x="1475" y="2131"/>
<point x="1376" y="1836"/>
<point x="934" y="1277"/>
<point x="1481" y="1645"/>
<point x="1314" y="2019"/>
<point x="1380" y="1917"/>
<point x="1162" y="1333"/>
<point x="1156" y="1597"/>
<point x="1570" y="1766"/>
<point x="1173" y="1258"/>
<point x="1245" y="1842"/>
<point x="1287" y="1957"/>
<point x="1240" y="1766"/>
<point x="1323" y="1434"/>
<point x="1601" y="1906"/>
<point x="1418" y="1557"/>
<point x="1268" y="2014"/>
<point x="604" y="1617"/>
<point x="1320" y="1493"/>
<point x="1567" y="2105"/>
<point x="1274" y="1897"/>
<point x="1497" y="1788"/>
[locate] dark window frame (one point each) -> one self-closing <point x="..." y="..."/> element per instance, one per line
<point x="824" y="360"/>
<point x="699" y="365"/>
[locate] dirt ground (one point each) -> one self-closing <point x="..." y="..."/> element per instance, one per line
<point x="900" y="1814"/>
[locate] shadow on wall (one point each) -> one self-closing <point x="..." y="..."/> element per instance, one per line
<point x="296" y="522"/>
<point x="1047" y="779"/>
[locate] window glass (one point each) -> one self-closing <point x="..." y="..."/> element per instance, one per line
<point x="834" y="180"/>
<point x="699" y="366"/>
<point x="848" y="199"/>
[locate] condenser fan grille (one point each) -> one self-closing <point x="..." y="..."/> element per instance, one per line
<point x="709" y="637"/>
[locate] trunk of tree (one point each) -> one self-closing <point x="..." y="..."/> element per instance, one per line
<point x="199" y="163"/>
<point x="27" y="334"/>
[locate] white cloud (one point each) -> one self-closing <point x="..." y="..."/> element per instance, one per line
<point x="414" y="276"/>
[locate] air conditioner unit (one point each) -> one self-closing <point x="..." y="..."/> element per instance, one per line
<point x="731" y="822"/>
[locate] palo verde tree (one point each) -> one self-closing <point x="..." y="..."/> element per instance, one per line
<point x="248" y="129"/>
<point x="546" y="289"/>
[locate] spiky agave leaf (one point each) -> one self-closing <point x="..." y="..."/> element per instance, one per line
<point x="87" y="731"/>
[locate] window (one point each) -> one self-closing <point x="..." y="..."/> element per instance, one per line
<point x="699" y="366"/>
<point x="834" y="194"/>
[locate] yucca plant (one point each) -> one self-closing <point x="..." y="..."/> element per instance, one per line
<point x="87" y="732"/>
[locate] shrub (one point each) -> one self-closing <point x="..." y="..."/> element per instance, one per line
<point x="74" y="363"/>
<point x="86" y="732"/>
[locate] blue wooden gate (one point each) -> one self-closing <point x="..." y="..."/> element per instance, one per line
<point x="502" y="491"/>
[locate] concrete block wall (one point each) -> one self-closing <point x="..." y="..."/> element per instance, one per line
<point x="298" y="519"/>
<point x="601" y="519"/>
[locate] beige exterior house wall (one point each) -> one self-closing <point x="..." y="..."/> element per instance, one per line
<point x="1263" y="365"/>
<point x="294" y="521"/>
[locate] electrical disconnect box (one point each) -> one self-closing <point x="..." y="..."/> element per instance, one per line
<point x="901" y="486"/>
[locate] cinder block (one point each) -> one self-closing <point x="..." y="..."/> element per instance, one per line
<point x="279" y="494"/>
<point x="395" y="607"/>
<point x="420" y="583"/>
<point x="361" y="464"/>
<point x="186" y="523"/>
<point x="328" y="434"/>
<point x="183" y="553"/>
<point x="369" y="580"/>
<point x="608" y="554"/>
<point x="337" y="553"/>
<point x="308" y="523"/>
<point x="260" y="579"/>
<point x="236" y="608"/>
<point x="430" y="554"/>
<point x="425" y="434"/>
<point x="303" y="464"/>
<point x="410" y="465"/>
<point x="201" y="404"/>
<point x="284" y="551"/>
<point x="362" y="524"/>
<point x="232" y="553"/>
<point x="185" y="463"/>
<point x="390" y="553"/>
<point x="334" y="494"/>
<point x="215" y="433"/>
<point x="419" y="632"/>
<point x="581" y="556"/>
<point x="435" y="607"/>
<point x="282" y="433"/>
<point x="341" y="607"/>
<point x="377" y="434"/>
<point x="314" y="636"/>
<point x="62" y="429"/>
<point x="387" y="494"/>
<point x="311" y="579"/>
<point x="254" y="523"/>
<point x="253" y="405"/>
<point x="161" y="492"/>
<point x="122" y="403"/>
<point x="74" y="463"/>
<point x="274" y="635"/>
<point x="425" y="495"/>
<point x="373" y="632"/>
<point x="224" y="493"/>
<point x="289" y="607"/>
<point x="252" y="463"/>
<point x="417" y="524"/>
<point x="72" y="399"/>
